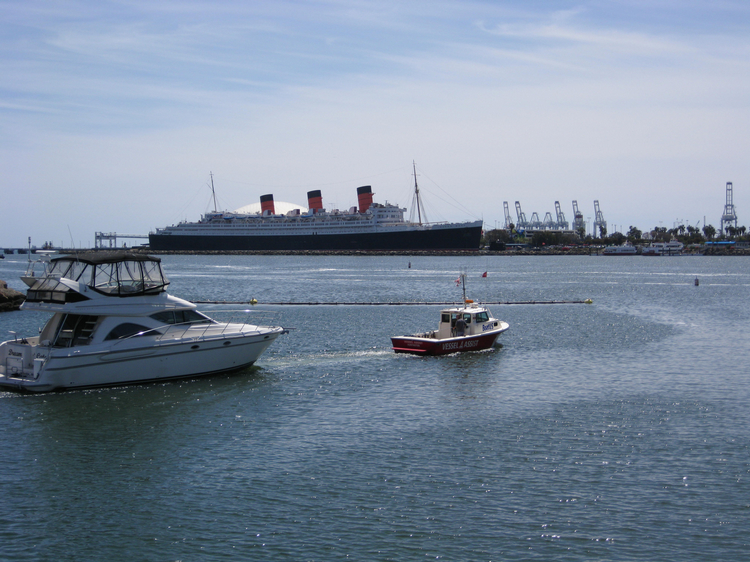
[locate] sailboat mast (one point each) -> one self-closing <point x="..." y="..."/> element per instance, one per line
<point x="416" y="192"/>
<point x="213" y="191"/>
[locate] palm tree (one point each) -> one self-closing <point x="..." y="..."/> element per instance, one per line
<point x="634" y="234"/>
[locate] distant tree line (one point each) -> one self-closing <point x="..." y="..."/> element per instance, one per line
<point x="686" y="234"/>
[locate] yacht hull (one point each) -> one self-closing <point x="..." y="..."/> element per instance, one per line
<point x="78" y="368"/>
<point x="462" y="237"/>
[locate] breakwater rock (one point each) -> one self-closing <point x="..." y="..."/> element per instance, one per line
<point x="10" y="299"/>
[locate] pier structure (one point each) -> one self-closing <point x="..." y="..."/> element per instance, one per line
<point x="109" y="239"/>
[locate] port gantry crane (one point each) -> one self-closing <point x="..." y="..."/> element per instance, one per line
<point x="729" y="218"/>
<point x="535" y="223"/>
<point x="562" y="224"/>
<point x="578" y="223"/>
<point x="599" y="222"/>
<point x="522" y="222"/>
<point x="508" y="220"/>
<point x="548" y="223"/>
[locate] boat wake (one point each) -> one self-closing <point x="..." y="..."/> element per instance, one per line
<point x="333" y="358"/>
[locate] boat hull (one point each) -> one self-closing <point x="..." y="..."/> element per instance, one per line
<point x="430" y="346"/>
<point x="77" y="368"/>
<point x="463" y="237"/>
<point x="606" y="253"/>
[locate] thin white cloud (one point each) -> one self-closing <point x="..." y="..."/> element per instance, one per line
<point x="497" y="101"/>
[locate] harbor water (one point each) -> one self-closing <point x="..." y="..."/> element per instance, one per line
<point x="616" y="430"/>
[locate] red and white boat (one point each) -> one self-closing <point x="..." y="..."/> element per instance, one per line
<point x="470" y="327"/>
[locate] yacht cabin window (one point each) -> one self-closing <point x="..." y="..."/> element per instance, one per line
<point x="181" y="317"/>
<point x="75" y="329"/>
<point x="129" y="329"/>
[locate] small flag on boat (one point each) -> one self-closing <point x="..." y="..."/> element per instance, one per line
<point x="484" y="274"/>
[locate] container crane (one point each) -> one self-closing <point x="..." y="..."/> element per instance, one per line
<point x="562" y="224"/>
<point x="508" y="220"/>
<point x="548" y="223"/>
<point x="599" y="222"/>
<point x="578" y="223"/>
<point x="522" y="222"/>
<point x="729" y="218"/>
<point x="535" y="222"/>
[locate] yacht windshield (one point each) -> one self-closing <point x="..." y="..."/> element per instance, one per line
<point x="128" y="277"/>
<point x="119" y="274"/>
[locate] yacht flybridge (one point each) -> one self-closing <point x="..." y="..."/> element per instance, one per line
<point x="113" y="323"/>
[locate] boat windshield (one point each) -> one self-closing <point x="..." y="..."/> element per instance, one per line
<point x="119" y="274"/>
<point x="128" y="277"/>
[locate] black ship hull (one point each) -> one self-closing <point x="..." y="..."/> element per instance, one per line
<point x="459" y="238"/>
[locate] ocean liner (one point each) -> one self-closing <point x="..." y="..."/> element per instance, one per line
<point x="372" y="226"/>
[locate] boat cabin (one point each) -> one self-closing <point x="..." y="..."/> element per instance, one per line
<point x="73" y="330"/>
<point x="476" y="320"/>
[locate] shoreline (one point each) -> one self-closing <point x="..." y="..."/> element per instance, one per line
<point x="582" y="251"/>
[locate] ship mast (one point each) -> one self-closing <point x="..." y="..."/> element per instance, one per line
<point x="417" y="202"/>
<point x="213" y="191"/>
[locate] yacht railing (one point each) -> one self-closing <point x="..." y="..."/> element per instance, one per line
<point x="211" y="327"/>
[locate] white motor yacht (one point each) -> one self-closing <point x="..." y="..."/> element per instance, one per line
<point x="113" y="323"/>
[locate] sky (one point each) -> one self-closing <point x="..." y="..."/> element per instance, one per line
<point x="116" y="115"/>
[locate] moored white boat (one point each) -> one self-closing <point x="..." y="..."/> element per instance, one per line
<point x="623" y="250"/>
<point x="672" y="248"/>
<point x="113" y="323"/>
<point x="467" y="327"/>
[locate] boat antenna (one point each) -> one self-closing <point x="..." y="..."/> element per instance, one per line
<point x="72" y="242"/>
<point x="417" y="202"/>
<point x="213" y="191"/>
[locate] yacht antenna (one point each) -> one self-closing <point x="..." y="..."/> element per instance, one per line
<point x="417" y="202"/>
<point x="213" y="191"/>
<point x="72" y="242"/>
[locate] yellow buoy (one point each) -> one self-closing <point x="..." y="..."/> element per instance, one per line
<point x="253" y="301"/>
<point x="588" y="301"/>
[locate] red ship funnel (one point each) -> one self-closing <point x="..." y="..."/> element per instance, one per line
<point x="266" y="204"/>
<point x="364" y="195"/>
<point x="315" y="200"/>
